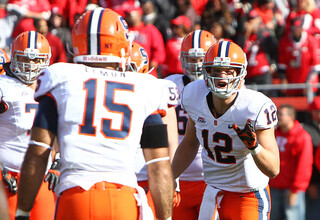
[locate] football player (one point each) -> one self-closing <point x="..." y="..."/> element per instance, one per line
<point x="139" y="62"/>
<point x="235" y="127"/>
<point x="99" y="114"/>
<point x="193" y="49"/>
<point x="30" y="54"/>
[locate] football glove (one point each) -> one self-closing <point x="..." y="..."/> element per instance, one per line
<point x="176" y="198"/>
<point x="3" y="104"/>
<point x="53" y="175"/>
<point x="176" y="193"/>
<point x="247" y="135"/>
<point x="10" y="181"/>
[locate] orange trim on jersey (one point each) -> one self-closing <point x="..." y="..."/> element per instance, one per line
<point x="5" y="107"/>
<point x="85" y="110"/>
<point x="116" y="112"/>
<point x="161" y="112"/>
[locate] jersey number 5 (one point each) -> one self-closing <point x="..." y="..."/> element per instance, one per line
<point x="87" y="127"/>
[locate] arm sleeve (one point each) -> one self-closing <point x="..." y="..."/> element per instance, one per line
<point x="47" y="115"/>
<point x="154" y="133"/>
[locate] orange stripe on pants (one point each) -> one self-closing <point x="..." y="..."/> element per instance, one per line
<point x="244" y="206"/>
<point x="103" y="201"/>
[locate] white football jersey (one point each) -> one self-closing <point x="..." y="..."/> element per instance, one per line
<point x="101" y="114"/>
<point x="194" y="172"/>
<point x="227" y="162"/>
<point x="140" y="163"/>
<point x="16" y="121"/>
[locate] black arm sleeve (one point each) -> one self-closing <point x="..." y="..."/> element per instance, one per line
<point x="154" y="133"/>
<point x="47" y="115"/>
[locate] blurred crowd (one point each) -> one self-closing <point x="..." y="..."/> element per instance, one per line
<point x="281" y="38"/>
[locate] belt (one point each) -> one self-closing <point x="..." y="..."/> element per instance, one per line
<point x="101" y="186"/>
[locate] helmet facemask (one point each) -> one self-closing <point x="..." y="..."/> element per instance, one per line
<point x="191" y="63"/>
<point x="224" y="87"/>
<point x="25" y="70"/>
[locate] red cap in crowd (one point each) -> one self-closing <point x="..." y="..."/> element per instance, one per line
<point x="181" y="20"/>
<point x="297" y="21"/>
<point x="56" y="9"/>
<point x="128" y="7"/>
<point x="253" y="14"/>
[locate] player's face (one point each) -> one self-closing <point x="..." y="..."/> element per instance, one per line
<point x="284" y="117"/>
<point x="222" y="76"/>
<point x="33" y="63"/>
<point x="196" y="63"/>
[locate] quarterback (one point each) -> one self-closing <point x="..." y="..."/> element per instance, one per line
<point x="235" y="126"/>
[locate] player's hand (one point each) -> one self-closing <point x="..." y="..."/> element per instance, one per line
<point x="176" y="193"/>
<point x="53" y="175"/>
<point x="247" y="135"/>
<point x="176" y="198"/>
<point x="10" y="181"/>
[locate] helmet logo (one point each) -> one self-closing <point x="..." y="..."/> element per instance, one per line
<point x="223" y="61"/>
<point x="31" y="53"/>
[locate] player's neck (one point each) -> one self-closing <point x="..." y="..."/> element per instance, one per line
<point x="222" y="105"/>
<point x="33" y="86"/>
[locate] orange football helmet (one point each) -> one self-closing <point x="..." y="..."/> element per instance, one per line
<point x="4" y="58"/>
<point x="31" y="54"/>
<point x="100" y="36"/>
<point x="139" y="60"/>
<point x="193" y="49"/>
<point x="224" y="54"/>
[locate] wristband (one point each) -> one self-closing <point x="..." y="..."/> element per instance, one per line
<point x="157" y="160"/>
<point x="40" y="144"/>
<point x="19" y="212"/>
<point x="256" y="150"/>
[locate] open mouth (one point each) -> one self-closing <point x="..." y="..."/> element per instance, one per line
<point x="222" y="85"/>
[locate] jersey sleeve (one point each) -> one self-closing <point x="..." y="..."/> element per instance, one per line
<point x="172" y="90"/>
<point x="267" y="116"/>
<point x="47" y="80"/>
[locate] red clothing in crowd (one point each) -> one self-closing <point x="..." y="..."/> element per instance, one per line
<point x="317" y="158"/>
<point x="296" y="159"/>
<point x="298" y="59"/>
<point x="258" y="63"/>
<point x="172" y="64"/>
<point x="58" y="53"/>
<point x="70" y="8"/>
<point x="26" y="24"/>
<point x="151" y="39"/>
<point x="199" y="5"/>
<point x="110" y="3"/>
<point x="311" y="22"/>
